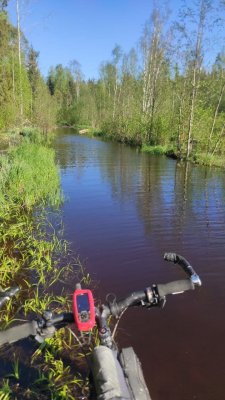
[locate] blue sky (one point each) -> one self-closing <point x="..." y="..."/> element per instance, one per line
<point x="84" y="30"/>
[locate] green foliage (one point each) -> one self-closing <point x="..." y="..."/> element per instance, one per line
<point x="145" y="97"/>
<point x="24" y="95"/>
<point x="158" y="150"/>
<point x="208" y="159"/>
<point x="44" y="107"/>
<point x="32" y="135"/>
<point x="32" y="254"/>
<point x="140" y="97"/>
<point x="29" y="176"/>
<point x="5" y="390"/>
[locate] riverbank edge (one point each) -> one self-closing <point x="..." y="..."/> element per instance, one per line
<point x="14" y="136"/>
<point x="168" y="151"/>
<point x="28" y="250"/>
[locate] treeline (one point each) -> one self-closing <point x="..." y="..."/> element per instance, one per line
<point x="24" y="95"/>
<point x="161" y="93"/>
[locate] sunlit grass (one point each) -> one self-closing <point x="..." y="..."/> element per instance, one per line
<point x="208" y="160"/>
<point x="29" y="176"/>
<point x="5" y="390"/>
<point x="157" y="150"/>
<point x="56" y="378"/>
<point x="31" y="255"/>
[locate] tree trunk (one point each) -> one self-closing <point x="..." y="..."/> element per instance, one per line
<point x="197" y="62"/>
<point x="19" y="57"/>
<point x="191" y="117"/>
<point x="219" y="140"/>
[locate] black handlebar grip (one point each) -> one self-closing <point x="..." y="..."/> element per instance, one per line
<point x="177" y="259"/>
<point x="170" y="257"/>
<point x="175" y="287"/>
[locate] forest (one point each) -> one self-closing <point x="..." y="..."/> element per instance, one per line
<point x="161" y="95"/>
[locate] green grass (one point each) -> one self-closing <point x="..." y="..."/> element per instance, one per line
<point x="5" y="391"/>
<point x="4" y="139"/>
<point x="208" y="160"/>
<point x="29" y="177"/>
<point x="27" y="133"/>
<point x="31" y="254"/>
<point x="157" y="150"/>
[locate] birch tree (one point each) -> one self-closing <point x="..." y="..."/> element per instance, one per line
<point x="75" y="69"/>
<point x="204" y="7"/>
<point x="193" y="28"/>
<point x="218" y="78"/>
<point x="117" y="54"/>
<point x="153" y="47"/>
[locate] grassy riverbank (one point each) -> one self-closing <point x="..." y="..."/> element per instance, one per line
<point x="169" y="151"/>
<point x="33" y="257"/>
<point x="197" y="158"/>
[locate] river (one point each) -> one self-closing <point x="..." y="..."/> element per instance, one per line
<point x="123" y="210"/>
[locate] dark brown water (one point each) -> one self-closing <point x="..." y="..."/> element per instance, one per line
<point x="123" y="210"/>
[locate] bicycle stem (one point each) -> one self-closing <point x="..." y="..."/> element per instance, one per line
<point x="104" y="332"/>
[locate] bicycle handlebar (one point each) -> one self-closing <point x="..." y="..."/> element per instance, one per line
<point x="152" y="296"/>
<point x="175" y="287"/>
<point x="135" y="298"/>
<point x="46" y="326"/>
<point x="40" y="329"/>
<point x="18" y="332"/>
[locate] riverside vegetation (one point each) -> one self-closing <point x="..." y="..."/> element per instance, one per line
<point x="166" y="95"/>
<point x="32" y="252"/>
<point x="163" y="95"/>
<point x="35" y="258"/>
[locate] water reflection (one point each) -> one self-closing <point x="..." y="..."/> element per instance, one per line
<point x="171" y="198"/>
<point x="124" y="209"/>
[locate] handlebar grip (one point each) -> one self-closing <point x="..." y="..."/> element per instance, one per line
<point x="177" y="259"/>
<point x="18" y="332"/>
<point x="172" y="257"/>
<point x="188" y="269"/>
<point x="175" y="287"/>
